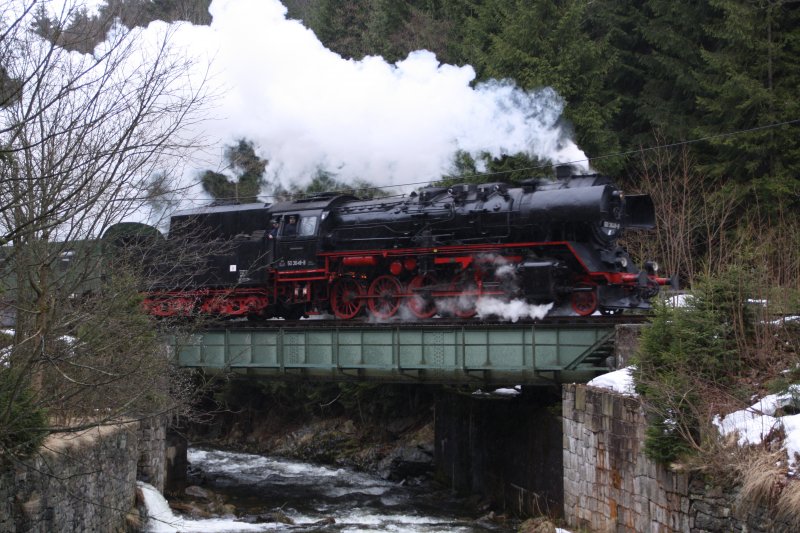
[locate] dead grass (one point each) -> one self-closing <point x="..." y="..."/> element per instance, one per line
<point x="61" y="442"/>
<point x="763" y="476"/>
<point x="788" y="507"/>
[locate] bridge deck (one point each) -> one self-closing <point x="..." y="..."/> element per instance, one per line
<point x="495" y="354"/>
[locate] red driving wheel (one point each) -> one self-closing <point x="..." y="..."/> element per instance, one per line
<point x="420" y="302"/>
<point x="385" y="296"/>
<point x="584" y="301"/>
<point x="463" y="305"/>
<point x="347" y="298"/>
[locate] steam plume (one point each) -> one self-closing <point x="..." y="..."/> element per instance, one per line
<point x="307" y="108"/>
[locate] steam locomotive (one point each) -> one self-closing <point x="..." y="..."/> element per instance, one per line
<point x="440" y="250"/>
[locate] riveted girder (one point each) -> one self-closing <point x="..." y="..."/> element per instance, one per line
<point x="526" y="354"/>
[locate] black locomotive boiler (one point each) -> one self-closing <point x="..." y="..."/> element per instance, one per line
<point x="440" y="250"/>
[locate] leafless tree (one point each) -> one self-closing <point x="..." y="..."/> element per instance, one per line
<point x="81" y="137"/>
<point x="693" y="217"/>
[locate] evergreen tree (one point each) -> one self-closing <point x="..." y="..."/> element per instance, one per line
<point x="749" y="81"/>
<point x="43" y="25"/>
<point x="618" y="23"/>
<point x="483" y="168"/>
<point x="673" y="31"/>
<point x="548" y="43"/>
<point x="391" y="29"/>
<point x="83" y="31"/>
<point x="248" y="180"/>
<point x="324" y="181"/>
<point x="341" y="25"/>
<point x="142" y="12"/>
<point x="9" y="88"/>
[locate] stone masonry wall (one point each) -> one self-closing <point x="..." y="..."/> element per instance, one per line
<point x="82" y="482"/>
<point x="609" y="485"/>
<point x="152" y="440"/>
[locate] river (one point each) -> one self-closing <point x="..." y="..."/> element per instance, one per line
<point x="314" y="498"/>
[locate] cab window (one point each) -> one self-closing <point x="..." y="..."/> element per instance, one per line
<point x="308" y="226"/>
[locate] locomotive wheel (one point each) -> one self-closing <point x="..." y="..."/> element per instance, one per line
<point x="384" y="296"/>
<point x="347" y="298"/>
<point x="420" y="302"/>
<point x="463" y="306"/>
<point x="584" y="302"/>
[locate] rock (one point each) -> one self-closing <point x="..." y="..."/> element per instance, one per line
<point x="189" y="509"/>
<point x="281" y="517"/>
<point x="32" y="506"/>
<point x="197" y="492"/>
<point x="406" y="462"/>
<point x="324" y="522"/>
<point x="399" y="425"/>
<point x="276" y="516"/>
<point x="494" y="518"/>
<point x="134" y="522"/>
<point x="537" y="525"/>
<point x="229" y="509"/>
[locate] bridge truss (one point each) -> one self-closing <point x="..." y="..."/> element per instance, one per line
<point x="451" y="353"/>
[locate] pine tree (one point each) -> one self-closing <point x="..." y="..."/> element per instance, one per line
<point x="749" y="81"/>
<point x="550" y="43"/>
<point x="673" y="32"/>
<point x="341" y="25"/>
<point x="43" y="25"/>
<point x="248" y="181"/>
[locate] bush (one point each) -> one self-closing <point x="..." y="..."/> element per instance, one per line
<point x="22" y="424"/>
<point x="688" y="358"/>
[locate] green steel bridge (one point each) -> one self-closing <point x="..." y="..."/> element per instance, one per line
<point x="532" y="353"/>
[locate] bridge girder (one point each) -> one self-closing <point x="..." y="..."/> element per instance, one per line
<point x="480" y="354"/>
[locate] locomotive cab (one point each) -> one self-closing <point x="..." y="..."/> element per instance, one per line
<point x="297" y="240"/>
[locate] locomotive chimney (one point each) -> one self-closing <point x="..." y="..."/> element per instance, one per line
<point x="563" y="172"/>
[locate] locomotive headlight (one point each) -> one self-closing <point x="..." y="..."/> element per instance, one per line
<point x="651" y="267"/>
<point x="622" y="261"/>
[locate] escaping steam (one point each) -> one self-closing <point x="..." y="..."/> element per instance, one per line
<point x="513" y="310"/>
<point x="306" y="108"/>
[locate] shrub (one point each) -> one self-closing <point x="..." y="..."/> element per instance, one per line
<point x="688" y="358"/>
<point x="22" y="423"/>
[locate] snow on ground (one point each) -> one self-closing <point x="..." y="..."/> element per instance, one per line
<point x="516" y="391"/>
<point x="751" y="425"/>
<point x="678" y="300"/>
<point x="620" y="381"/>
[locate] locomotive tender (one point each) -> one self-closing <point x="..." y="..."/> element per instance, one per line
<point x="437" y="251"/>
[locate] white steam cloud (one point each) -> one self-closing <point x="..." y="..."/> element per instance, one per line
<point x="514" y="310"/>
<point x="307" y="108"/>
